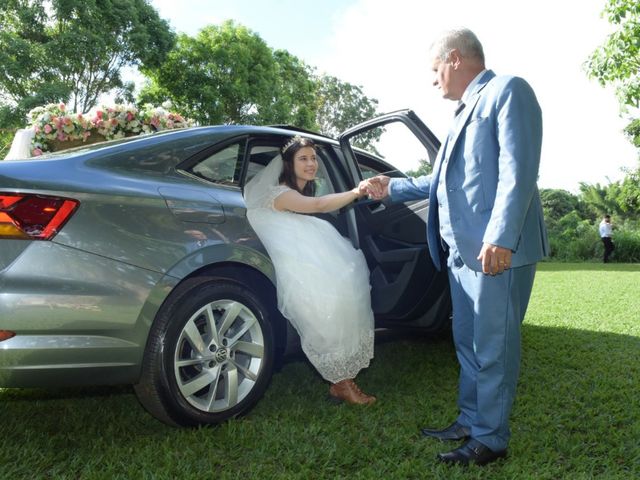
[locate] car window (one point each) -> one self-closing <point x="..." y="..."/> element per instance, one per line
<point x="220" y="167"/>
<point x="371" y="166"/>
<point x="368" y="171"/>
<point x="260" y="156"/>
<point x="396" y="148"/>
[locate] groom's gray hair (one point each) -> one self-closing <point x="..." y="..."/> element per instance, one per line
<point x="461" y="39"/>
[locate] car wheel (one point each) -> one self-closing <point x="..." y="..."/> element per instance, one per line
<point x="209" y="356"/>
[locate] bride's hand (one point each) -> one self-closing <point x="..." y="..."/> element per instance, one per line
<point x="363" y="188"/>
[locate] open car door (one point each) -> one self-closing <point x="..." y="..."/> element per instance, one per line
<point x="407" y="290"/>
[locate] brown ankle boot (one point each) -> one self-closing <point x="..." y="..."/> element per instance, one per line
<point x="348" y="391"/>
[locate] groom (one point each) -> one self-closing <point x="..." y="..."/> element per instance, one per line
<point x="485" y="221"/>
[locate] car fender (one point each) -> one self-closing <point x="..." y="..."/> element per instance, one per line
<point x="218" y="254"/>
<point x="229" y="261"/>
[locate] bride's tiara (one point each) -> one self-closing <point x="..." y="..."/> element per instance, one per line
<point x="290" y="143"/>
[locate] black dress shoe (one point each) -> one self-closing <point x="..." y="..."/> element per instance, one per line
<point x="472" y="452"/>
<point x="455" y="431"/>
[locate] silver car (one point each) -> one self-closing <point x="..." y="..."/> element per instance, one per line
<point x="132" y="262"/>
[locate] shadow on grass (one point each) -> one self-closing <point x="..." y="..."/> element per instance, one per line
<point x="577" y="413"/>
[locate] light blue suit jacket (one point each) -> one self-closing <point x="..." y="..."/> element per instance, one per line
<point x="498" y="138"/>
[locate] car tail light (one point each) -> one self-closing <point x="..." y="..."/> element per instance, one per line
<point x="6" y="335"/>
<point x="33" y="217"/>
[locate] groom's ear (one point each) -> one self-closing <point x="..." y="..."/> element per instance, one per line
<point x="455" y="59"/>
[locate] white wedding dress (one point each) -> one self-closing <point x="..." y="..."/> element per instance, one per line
<point x="322" y="281"/>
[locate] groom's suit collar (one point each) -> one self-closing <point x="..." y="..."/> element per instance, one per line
<point x="470" y="97"/>
<point x="477" y="84"/>
<point x="472" y="94"/>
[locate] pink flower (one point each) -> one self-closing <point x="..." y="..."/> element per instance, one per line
<point x="62" y="107"/>
<point x="99" y="114"/>
<point x="130" y="116"/>
<point x="47" y="128"/>
<point x="61" y="136"/>
<point x="36" y="152"/>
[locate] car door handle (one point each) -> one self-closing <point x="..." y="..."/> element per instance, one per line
<point x="376" y="207"/>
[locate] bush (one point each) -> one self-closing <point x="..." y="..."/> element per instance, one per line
<point x="574" y="240"/>
<point x="627" y="241"/>
<point x="586" y="247"/>
<point x="6" y="137"/>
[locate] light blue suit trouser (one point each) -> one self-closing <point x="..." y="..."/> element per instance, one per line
<point x="487" y="314"/>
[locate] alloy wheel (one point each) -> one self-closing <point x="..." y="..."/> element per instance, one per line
<point x="219" y="355"/>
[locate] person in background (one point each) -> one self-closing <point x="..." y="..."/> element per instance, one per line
<point x="606" y="235"/>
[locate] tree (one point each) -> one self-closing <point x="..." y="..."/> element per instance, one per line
<point x="596" y="198"/>
<point x="617" y="61"/>
<point x="342" y="105"/>
<point x="296" y="92"/>
<point x="629" y="194"/>
<point x="73" y="50"/>
<point x="632" y="131"/>
<point x="557" y="203"/>
<point x="228" y="74"/>
<point x="424" y="168"/>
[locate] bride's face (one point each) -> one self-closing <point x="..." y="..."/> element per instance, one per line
<point x="305" y="164"/>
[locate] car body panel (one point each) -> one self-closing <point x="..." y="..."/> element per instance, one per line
<point x="80" y="291"/>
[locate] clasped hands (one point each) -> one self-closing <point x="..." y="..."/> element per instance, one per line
<point x="376" y="188"/>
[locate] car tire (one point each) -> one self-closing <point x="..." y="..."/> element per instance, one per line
<point x="209" y="356"/>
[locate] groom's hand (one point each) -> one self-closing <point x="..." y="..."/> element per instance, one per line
<point x="494" y="259"/>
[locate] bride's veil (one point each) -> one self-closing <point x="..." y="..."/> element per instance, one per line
<point x="21" y="145"/>
<point x="260" y="187"/>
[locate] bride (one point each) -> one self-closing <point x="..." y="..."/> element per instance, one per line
<point x="322" y="281"/>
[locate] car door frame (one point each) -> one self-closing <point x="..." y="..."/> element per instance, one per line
<point x="406" y="288"/>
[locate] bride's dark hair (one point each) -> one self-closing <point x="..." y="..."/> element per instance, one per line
<point x="288" y="175"/>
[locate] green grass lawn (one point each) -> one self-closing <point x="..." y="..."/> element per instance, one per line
<point x="577" y="414"/>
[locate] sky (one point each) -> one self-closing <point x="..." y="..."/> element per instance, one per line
<point x="382" y="46"/>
